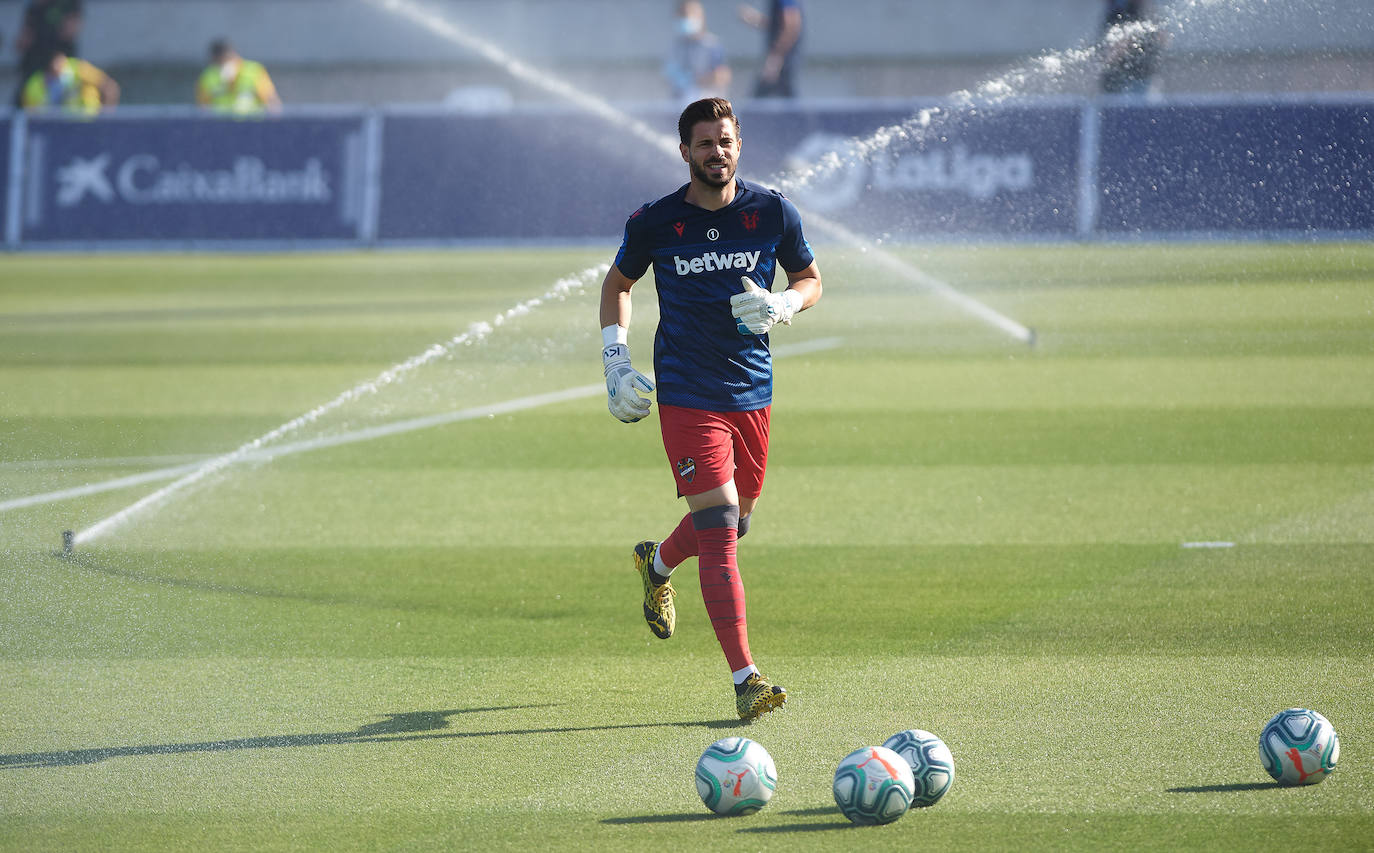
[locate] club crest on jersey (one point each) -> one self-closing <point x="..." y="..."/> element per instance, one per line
<point x="687" y="468"/>
<point x="750" y="219"/>
<point x="678" y="226"/>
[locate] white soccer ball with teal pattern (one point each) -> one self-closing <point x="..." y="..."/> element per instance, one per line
<point x="873" y="785"/>
<point x="1299" y="747"/>
<point x="932" y="764"/>
<point x="736" y="776"/>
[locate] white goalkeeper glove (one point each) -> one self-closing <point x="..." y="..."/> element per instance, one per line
<point x="757" y="310"/>
<point x="623" y="384"/>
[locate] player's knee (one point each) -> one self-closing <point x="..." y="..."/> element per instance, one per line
<point x="716" y="517"/>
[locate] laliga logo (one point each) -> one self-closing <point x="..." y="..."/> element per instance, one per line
<point x="843" y="176"/>
<point x="141" y="179"/>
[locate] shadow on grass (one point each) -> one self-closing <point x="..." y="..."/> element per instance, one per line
<point x="820" y="811"/>
<point x="109" y="567"/>
<point x="801" y="827"/>
<point x="697" y="817"/>
<point x="1225" y="789"/>
<point x="397" y="728"/>
<point x="694" y="817"/>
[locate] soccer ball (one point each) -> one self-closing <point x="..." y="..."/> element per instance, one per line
<point x="873" y="785"/>
<point x="735" y="776"/>
<point x="1299" y="747"/>
<point x="932" y="765"/>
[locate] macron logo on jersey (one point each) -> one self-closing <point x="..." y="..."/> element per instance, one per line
<point x="712" y="261"/>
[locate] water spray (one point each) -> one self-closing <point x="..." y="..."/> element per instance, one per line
<point x="393" y="374"/>
<point x="441" y="26"/>
<point x="444" y="28"/>
<point x="1024" y="334"/>
<point x="913" y="129"/>
<point x="1045" y="68"/>
<point x="1048" y="67"/>
<point x="599" y="107"/>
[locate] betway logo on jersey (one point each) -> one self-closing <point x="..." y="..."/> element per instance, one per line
<point x="712" y="261"/>
<point x="142" y="179"/>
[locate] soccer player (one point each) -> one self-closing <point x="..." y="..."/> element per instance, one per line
<point x="714" y="245"/>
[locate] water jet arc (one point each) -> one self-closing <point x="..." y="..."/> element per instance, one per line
<point x="444" y="28"/>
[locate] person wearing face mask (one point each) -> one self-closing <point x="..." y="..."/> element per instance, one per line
<point x="48" y="26"/>
<point x="696" y="68"/>
<point x="232" y="84"/>
<point x="69" y="84"/>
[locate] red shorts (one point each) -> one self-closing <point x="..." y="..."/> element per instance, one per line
<point x="709" y="449"/>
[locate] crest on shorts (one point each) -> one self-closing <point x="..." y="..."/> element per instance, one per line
<point x="687" y="468"/>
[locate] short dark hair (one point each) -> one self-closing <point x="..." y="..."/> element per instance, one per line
<point x="707" y="109"/>
<point x="219" y="48"/>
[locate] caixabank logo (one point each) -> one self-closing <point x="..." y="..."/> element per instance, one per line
<point x="834" y="175"/>
<point x="144" y="179"/>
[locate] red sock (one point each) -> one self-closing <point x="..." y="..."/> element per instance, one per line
<point x="721" y="588"/>
<point x="680" y="544"/>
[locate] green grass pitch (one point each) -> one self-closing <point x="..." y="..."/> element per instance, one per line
<point x="431" y="639"/>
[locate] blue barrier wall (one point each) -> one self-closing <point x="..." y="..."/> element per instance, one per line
<point x="547" y="176"/>
<point x="1005" y="171"/>
<point x="1026" y="170"/>
<point x="192" y="179"/>
<point x="1238" y="167"/>
<point x="563" y="176"/>
<point x="6" y="236"/>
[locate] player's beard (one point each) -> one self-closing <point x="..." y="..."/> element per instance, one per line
<point x="700" y="173"/>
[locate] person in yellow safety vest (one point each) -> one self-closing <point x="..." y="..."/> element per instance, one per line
<point x="70" y="84"/>
<point x="232" y="84"/>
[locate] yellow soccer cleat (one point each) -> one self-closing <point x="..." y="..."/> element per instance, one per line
<point x="758" y="697"/>
<point x="659" y="610"/>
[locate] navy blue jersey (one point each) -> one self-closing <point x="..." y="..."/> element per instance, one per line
<point x="701" y="360"/>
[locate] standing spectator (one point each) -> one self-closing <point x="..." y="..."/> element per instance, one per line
<point x="232" y="84"/>
<point x="782" y="48"/>
<point x="1131" y="44"/>
<point x="696" y="68"/>
<point x="48" y="25"/>
<point x="70" y="84"/>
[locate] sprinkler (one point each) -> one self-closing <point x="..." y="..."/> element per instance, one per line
<point x="68" y="542"/>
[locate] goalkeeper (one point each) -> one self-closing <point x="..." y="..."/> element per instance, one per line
<point x="714" y="245"/>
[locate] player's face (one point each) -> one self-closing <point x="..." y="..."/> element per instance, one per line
<point x="714" y="152"/>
